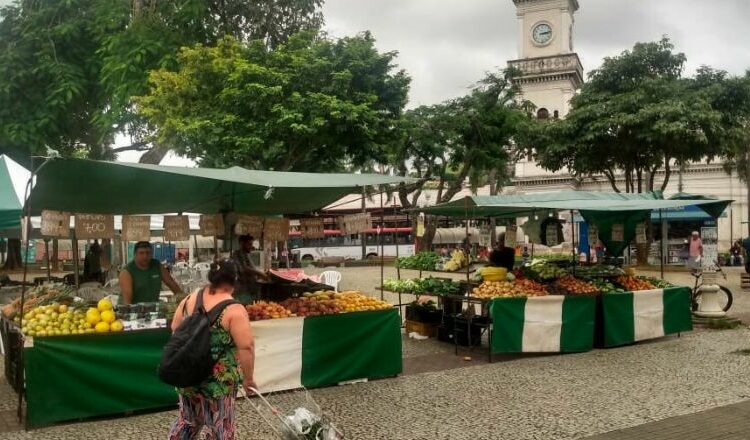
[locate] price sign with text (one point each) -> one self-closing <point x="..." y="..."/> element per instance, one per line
<point x="552" y="234"/>
<point x="640" y="234"/>
<point x="212" y="225"/>
<point x="136" y="227"/>
<point x="176" y="228"/>
<point x="55" y="224"/>
<point x="510" y="236"/>
<point x="249" y="225"/>
<point x="355" y="223"/>
<point x="312" y="227"/>
<point x="276" y="229"/>
<point x="95" y="226"/>
<point x="618" y="232"/>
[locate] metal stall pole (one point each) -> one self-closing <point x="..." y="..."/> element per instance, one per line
<point x="468" y="242"/>
<point x="382" y="260"/>
<point x="573" y="238"/>
<point x="395" y="242"/>
<point x="76" y="264"/>
<point x="46" y="254"/>
<point x="661" y="245"/>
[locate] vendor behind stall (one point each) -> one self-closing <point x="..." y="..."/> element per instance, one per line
<point x="247" y="283"/>
<point x="141" y="280"/>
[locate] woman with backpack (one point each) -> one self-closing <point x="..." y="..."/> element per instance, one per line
<point x="211" y="404"/>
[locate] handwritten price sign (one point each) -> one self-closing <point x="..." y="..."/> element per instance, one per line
<point x="276" y="229"/>
<point x="312" y="227"/>
<point x="212" y="225"/>
<point x="249" y="225"/>
<point x="176" y="228"/>
<point x="55" y="224"/>
<point x="136" y="227"/>
<point x="95" y="226"/>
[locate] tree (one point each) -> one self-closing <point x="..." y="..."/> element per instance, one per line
<point x="312" y="104"/>
<point x="635" y="115"/>
<point x="70" y="68"/>
<point x="731" y="96"/>
<point x="467" y="138"/>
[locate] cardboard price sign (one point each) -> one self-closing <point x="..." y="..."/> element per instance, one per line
<point x="95" y="226"/>
<point x="355" y="223"/>
<point x="176" y="228"/>
<point x="212" y="225"/>
<point x="593" y="235"/>
<point x="551" y="234"/>
<point x="510" y="236"/>
<point x="136" y="227"/>
<point x="312" y="227"/>
<point x="55" y="224"/>
<point x="618" y="232"/>
<point x="249" y="225"/>
<point x="276" y="229"/>
<point x="640" y="234"/>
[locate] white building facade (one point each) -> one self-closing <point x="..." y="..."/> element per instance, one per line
<point x="551" y="73"/>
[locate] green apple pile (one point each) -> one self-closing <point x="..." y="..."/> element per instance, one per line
<point x="54" y="320"/>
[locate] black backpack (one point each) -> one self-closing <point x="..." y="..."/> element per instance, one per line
<point x="186" y="360"/>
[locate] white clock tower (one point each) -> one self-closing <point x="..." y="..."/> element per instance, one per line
<point x="550" y="74"/>
<point x="550" y="71"/>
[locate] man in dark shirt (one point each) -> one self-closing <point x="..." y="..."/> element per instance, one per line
<point x="247" y="286"/>
<point x="503" y="256"/>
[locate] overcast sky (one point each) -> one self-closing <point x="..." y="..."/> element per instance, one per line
<point x="446" y="45"/>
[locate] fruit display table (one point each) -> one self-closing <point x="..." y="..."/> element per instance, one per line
<point x="83" y="376"/>
<point x="637" y="316"/>
<point x="324" y="350"/>
<point x="543" y="324"/>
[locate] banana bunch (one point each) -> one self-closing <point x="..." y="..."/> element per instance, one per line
<point x="458" y="261"/>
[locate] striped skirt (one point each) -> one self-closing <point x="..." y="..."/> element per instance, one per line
<point x="198" y="412"/>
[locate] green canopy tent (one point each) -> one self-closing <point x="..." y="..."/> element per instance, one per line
<point x="603" y="209"/>
<point x="89" y="186"/>
<point x="13" y="180"/>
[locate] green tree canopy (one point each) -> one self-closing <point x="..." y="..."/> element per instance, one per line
<point x="310" y="104"/>
<point x="635" y="115"/>
<point x="70" y="68"/>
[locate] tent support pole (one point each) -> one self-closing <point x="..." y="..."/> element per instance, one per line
<point x="573" y="235"/>
<point x="467" y="250"/>
<point x="46" y="256"/>
<point x="661" y="245"/>
<point x="74" y="247"/>
<point x="382" y="259"/>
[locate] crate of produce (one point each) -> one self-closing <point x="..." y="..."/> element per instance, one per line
<point x="421" y="328"/>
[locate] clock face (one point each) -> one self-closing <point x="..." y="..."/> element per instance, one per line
<point x="542" y="33"/>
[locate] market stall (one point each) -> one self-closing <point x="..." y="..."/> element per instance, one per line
<point x="75" y="347"/>
<point x="559" y="305"/>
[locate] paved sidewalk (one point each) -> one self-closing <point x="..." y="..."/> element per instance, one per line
<point x="731" y="422"/>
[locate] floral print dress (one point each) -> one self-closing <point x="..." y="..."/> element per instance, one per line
<point x="227" y="375"/>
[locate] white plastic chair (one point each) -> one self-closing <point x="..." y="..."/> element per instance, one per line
<point x="331" y="278"/>
<point x="202" y="269"/>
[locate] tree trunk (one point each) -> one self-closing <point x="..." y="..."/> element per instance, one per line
<point x="667" y="174"/>
<point x="639" y="175"/>
<point x="54" y="258"/>
<point x="430" y="227"/>
<point x="155" y="155"/>
<point x="14" y="260"/>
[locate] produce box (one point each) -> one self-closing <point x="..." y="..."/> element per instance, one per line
<point x="421" y="328"/>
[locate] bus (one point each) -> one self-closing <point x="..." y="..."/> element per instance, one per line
<point x="396" y="242"/>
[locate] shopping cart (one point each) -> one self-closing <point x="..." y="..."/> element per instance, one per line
<point x="294" y="416"/>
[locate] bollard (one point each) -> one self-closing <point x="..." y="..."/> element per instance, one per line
<point x="709" y="306"/>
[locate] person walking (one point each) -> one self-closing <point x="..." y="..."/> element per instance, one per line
<point x="695" y="251"/>
<point x="210" y="405"/>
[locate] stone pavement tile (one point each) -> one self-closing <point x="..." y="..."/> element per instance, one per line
<point x="731" y="422"/>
